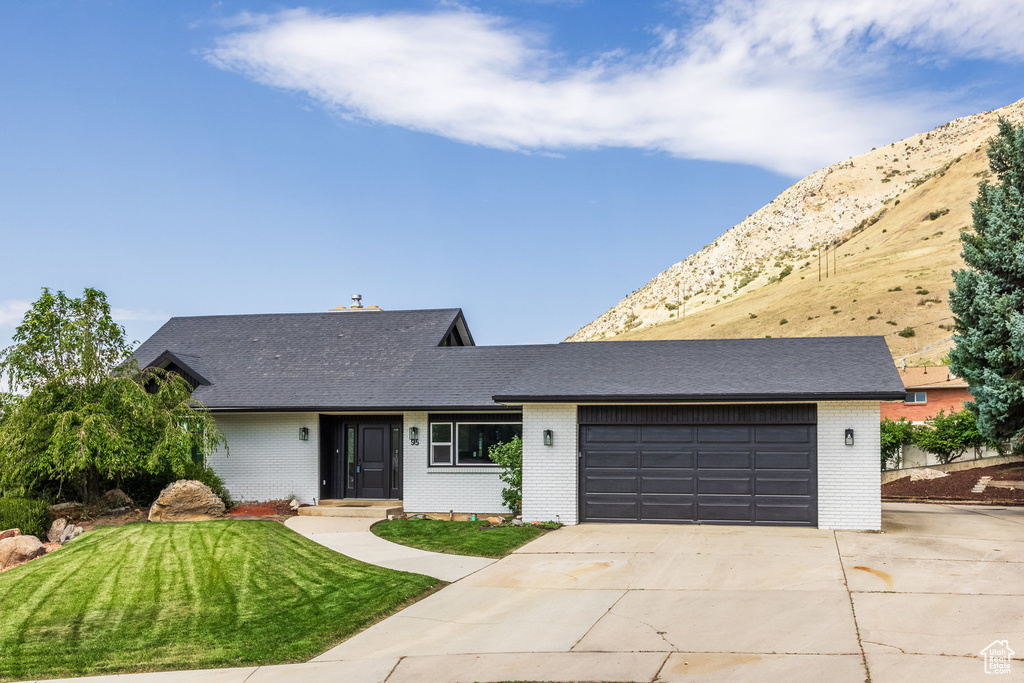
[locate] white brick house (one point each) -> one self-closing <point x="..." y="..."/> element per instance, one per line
<point x="402" y="405"/>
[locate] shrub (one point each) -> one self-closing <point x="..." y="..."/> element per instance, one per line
<point x="891" y="322"/>
<point x="671" y="306"/>
<point x="752" y="315"/>
<point x="897" y="288"/>
<point x="907" y="332"/>
<point x="782" y="273"/>
<point x="509" y="457"/>
<point x="938" y="213"/>
<point x="24" y="513"/>
<point x="872" y="317"/>
<point x="895" y="433"/>
<point x="783" y="321"/>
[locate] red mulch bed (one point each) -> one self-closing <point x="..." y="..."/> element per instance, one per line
<point x="269" y="508"/>
<point x="958" y="485"/>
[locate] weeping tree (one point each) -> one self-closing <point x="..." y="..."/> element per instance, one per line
<point x="84" y="412"/>
<point x="988" y="299"/>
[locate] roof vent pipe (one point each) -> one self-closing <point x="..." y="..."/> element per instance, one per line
<point x="357" y="301"/>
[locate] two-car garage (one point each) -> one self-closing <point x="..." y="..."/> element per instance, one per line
<point x="729" y="464"/>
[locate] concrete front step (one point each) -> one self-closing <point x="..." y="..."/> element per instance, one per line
<point x="375" y="509"/>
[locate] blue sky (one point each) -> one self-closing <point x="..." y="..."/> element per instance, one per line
<point x="531" y="162"/>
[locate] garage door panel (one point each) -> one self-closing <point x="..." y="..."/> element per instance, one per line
<point x="723" y="434"/>
<point x="666" y="434"/>
<point x="595" y="483"/>
<point x="670" y="482"/>
<point x="665" y="511"/>
<point x="723" y="459"/>
<point x="798" y="514"/>
<point x="794" y="486"/>
<point x="782" y="434"/>
<point x="732" y="486"/>
<point x="611" y="434"/>
<point x="613" y="459"/>
<point x="738" y="510"/>
<point x="599" y="509"/>
<point x="664" y="459"/>
<point x="779" y="460"/>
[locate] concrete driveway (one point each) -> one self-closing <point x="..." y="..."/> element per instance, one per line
<point x="710" y="603"/>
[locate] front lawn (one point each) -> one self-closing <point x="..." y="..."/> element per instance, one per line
<point x="457" y="538"/>
<point x="188" y="595"/>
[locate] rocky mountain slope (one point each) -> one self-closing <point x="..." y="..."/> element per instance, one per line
<point x="888" y="224"/>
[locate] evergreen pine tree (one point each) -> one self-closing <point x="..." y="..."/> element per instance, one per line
<point x="988" y="299"/>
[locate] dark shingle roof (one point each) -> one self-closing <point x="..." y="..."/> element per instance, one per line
<point x="390" y="360"/>
<point x="817" y="368"/>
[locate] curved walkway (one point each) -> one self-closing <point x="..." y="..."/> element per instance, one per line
<point x="352" y="536"/>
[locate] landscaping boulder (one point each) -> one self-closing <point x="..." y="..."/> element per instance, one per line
<point x="65" y="510"/>
<point x="517" y="522"/>
<point x="116" y="498"/>
<point x="186" y="501"/>
<point x="18" y="549"/>
<point x="10" y="533"/>
<point x="495" y="521"/>
<point x="919" y="475"/>
<point x="56" y="530"/>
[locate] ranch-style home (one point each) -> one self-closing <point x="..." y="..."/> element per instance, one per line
<point x="402" y="405"/>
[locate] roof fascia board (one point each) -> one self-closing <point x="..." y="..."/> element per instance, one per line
<point x="731" y="398"/>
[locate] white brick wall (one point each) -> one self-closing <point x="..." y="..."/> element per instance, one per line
<point x="266" y="459"/>
<point x="849" y="477"/>
<point x="440" y="489"/>
<point x="550" y="479"/>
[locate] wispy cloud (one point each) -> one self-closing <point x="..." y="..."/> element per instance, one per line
<point x="12" y="311"/>
<point x="788" y="85"/>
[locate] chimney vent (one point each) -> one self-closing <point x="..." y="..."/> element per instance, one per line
<point x="357" y="301"/>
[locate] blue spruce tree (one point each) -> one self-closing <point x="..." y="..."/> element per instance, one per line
<point x="988" y="299"/>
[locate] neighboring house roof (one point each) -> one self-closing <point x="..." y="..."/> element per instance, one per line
<point x="934" y="377"/>
<point x="390" y="360"/>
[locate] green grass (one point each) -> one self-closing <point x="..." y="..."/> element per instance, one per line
<point x="457" y="538"/>
<point x="188" y="595"/>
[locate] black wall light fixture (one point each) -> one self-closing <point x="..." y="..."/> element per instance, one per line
<point x="849" y="437"/>
<point x="549" y="437"/>
<point x="303" y="433"/>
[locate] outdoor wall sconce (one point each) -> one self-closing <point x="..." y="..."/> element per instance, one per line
<point x="414" y="436"/>
<point x="549" y="437"/>
<point x="849" y="437"/>
<point x="303" y="433"/>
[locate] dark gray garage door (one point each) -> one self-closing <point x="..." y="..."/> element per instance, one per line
<point x="712" y="464"/>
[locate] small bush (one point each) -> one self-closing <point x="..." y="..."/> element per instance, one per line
<point x="907" y="332"/>
<point x="891" y="322"/>
<point x="670" y="306"/>
<point x="938" y="213"/>
<point x="783" y="321"/>
<point x="833" y="307"/>
<point x="897" y="288"/>
<point x="752" y="315"/>
<point x="921" y="291"/>
<point x="872" y="317"/>
<point x="24" y="513"/>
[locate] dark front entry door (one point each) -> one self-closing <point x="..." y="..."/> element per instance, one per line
<point x="360" y="457"/>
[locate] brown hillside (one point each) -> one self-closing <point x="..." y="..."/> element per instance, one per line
<point x="905" y="238"/>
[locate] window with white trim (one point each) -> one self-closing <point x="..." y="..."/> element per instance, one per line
<point x="467" y="443"/>
<point x="916" y="397"/>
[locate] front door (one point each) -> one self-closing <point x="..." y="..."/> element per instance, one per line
<point x="361" y="457"/>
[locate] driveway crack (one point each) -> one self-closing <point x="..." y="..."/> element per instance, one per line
<point x="853" y="610"/>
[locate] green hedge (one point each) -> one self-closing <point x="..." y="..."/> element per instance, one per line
<point x="25" y="514"/>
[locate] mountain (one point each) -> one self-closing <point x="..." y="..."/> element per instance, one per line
<point x="888" y="223"/>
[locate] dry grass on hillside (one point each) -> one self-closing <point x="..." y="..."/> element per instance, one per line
<point x="897" y="270"/>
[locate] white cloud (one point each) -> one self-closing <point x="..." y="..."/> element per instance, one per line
<point x="12" y="311"/>
<point x="789" y="85"/>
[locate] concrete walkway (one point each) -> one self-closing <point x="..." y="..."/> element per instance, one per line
<point x="352" y="536"/>
<point x="706" y="604"/>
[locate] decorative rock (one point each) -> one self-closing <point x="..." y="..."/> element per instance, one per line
<point x="57" y="530"/>
<point x="70" y="533"/>
<point x="10" y="533"/>
<point x="65" y="509"/>
<point x="294" y="504"/>
<point x="495" y="521"/>
<point x="517" y="522"/>
<point x="18" y="549"/>
<point x="919" y="475"/>
<point x="186" y="501"/>
<point x="116" y="498"/>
